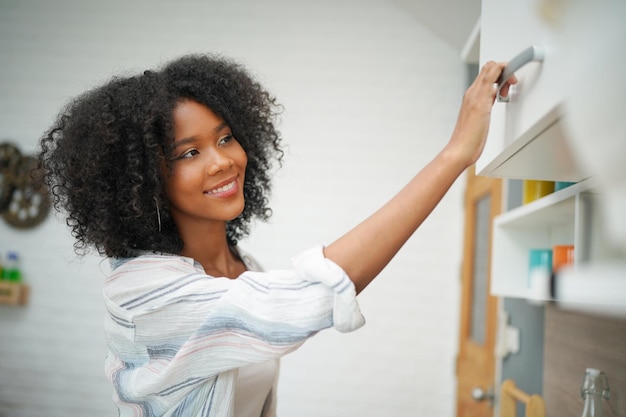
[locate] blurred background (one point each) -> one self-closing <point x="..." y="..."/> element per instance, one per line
<point x="371" y="89"/>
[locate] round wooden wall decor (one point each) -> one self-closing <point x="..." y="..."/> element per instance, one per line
<point x="22" y="203"/>
<point x="10" y="157"/>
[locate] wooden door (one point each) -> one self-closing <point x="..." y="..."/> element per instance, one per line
<point x="475" y="361"/>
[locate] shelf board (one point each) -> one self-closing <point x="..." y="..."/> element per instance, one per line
<point x="555" y="208"/>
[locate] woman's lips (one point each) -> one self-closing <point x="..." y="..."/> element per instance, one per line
<point x="225" y="190"/>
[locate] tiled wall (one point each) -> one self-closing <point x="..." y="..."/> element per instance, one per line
<point x="575" y="341"/>
<point x="370" y="96"/>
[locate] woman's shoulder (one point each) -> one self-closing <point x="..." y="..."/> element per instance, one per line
<point x="148" y="272"/>
<point x="158" y="266"/>
<point x="148" y="260"/>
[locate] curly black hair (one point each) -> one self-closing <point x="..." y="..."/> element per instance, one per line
<point x="103" y="157"/>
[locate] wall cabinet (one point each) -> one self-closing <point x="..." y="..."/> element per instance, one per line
<point x="529" y="139"/>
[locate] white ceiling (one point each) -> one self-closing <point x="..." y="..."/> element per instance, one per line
<point x="452" y="20"/>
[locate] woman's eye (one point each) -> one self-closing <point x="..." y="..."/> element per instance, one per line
<point x="190" y="153"/>
<point x="224" y="140"/>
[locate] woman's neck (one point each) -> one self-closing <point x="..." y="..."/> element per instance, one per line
<point x="209" y="246"/>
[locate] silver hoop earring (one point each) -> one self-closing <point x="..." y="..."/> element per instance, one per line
<point x="158" y="212"/>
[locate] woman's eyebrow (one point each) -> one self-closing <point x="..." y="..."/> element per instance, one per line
<point x="184" y="141"/>
<point x="180" y="142"/>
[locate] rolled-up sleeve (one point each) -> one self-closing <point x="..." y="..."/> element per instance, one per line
<point x="313" y="266"/>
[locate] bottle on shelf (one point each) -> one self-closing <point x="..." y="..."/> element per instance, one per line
<point x="535" y="189"/>
<point x="562" y="256"/>
<point x="11" y="268"/>
<point x="559" y="185"/>
<point x="594" y="389"/>
<point x="539" y="274"/>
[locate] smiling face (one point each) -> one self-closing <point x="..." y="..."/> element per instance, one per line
<point x="208" y="168"/>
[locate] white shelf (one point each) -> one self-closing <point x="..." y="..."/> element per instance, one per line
<point x="553" y="209"/>
<point x="558" y="218"/>
<point x="598" y="288"/>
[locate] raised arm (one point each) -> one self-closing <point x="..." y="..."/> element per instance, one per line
<point x="366" y="249"/>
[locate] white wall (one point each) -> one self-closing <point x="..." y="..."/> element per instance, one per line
<point x="370" y="97"/>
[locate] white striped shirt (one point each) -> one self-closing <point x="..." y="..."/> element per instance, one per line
<point x="177" y="336"/>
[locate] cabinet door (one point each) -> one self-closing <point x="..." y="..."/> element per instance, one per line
<point x="526" y="139"/>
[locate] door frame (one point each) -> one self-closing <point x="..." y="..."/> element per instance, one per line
<point x="476" y="363"/>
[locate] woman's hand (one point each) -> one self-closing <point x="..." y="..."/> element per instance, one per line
<point x="469" y="135"/>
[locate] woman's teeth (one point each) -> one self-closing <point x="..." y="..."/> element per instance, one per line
<point x="223" y="188"/>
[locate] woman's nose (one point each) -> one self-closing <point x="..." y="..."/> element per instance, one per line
<point x="219" y="161"/>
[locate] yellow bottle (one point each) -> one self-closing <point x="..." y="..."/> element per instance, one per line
<point x="535" y="189"/>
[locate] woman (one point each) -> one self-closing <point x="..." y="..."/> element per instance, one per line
<point x="163" y="172"/>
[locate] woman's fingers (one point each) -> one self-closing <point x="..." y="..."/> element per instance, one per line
<point x="491" y="71"/>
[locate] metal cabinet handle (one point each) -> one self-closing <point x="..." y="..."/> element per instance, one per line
<point x="531" y="54"/>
